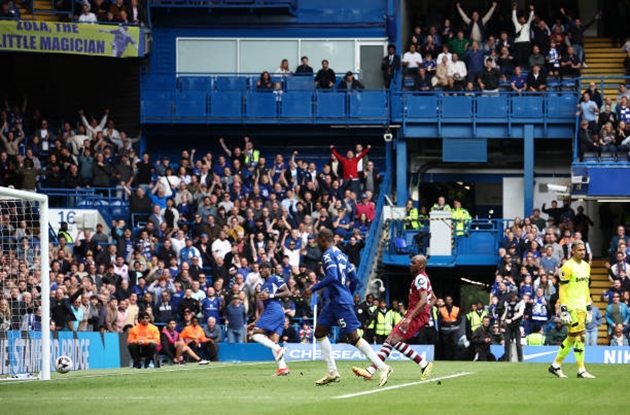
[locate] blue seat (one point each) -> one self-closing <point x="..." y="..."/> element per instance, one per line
<point x="261" y="105"/>
<point x="191" y="104"/>
<point x="421" y="106"/>
<point x="457" y="107"/>
<point x="227" y="104"/>
<point x="331" y="104"/>
<point x="527" y="107"/>
<point x="157" y="104"/>
<point x="400" y="246"/>
<point x="304" y="82"/>
<point x="195" y="83"/>
<point x="158" y="82"/>
<point x="230" y="83"/>
<point x="492" y="106"/>
<point x="297" y="105"/>
<point x="372" y="105"/>
<point x="561" y="106"/>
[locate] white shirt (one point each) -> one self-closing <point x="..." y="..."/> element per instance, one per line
<point x="448" y="57"/>
<point x="457" y="67"/>
<point x="88" y="18"/>
<point x="522" y="30"/>
<point x="221" y="248"/>
<point x="413" y="60"/>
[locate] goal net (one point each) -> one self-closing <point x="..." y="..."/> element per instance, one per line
<point x="25" y="282"/>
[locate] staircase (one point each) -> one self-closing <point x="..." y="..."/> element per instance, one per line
<point x="604" y="59"/>
<point x="599" y="283"/>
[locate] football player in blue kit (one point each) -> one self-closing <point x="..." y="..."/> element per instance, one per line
<point x="269" y="326"/>
<point x="339" y="281"/>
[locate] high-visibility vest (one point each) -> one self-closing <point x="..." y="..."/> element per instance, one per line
<point x="535" y="339"/>
<point x="476" y="319"/>
<point x="255" y="156"/>
<point x="396" y="317"/>
<point x="461" y="218"/>
<point x="384" y="323"/>
<point x="372" y="324"/>
<point x="449" y="317"/>
<point x="411" y="221"/>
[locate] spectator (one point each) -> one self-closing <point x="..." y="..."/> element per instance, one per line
<point x="570" y="65"/>
<point x="522" y="36"/>
<point x="449" y="324"/>
<point x="195" y="338"/>
<point x="618" y="338"/>
<point x="86" y="15"/>
<point x="389" y="65"/>
<point x="304" y="69"/>
<point x="283" y="69"/>
<point x="173" y="346"/>
<point x="411" y="61"/>
<point x="617" y="313"/>
<point x="289" y="335"/>
<point x="557" y="334"/>
<point x="489" y="78"/>
<point x="536" y="80"/>
<point x="350" y="82"/>
<point x="143" y="340"/>
<point x="236" y="320"/>
<point x="476" y="26"/>
<point x="457" y="74"/>
<point x="481" y="341"/>
<point x="325" y="78"/>
<point x="265" y="83"/>
<point x="592" y="328"/>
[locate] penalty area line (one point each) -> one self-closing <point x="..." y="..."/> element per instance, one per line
<point x="404" y="385"/>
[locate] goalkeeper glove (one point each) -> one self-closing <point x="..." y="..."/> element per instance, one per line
<point x="565" y="317"/>
<point x="589" y="314"/>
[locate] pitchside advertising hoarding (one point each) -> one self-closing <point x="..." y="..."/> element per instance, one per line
<point x="119" y="41"/>
<point x="20" y="351"/>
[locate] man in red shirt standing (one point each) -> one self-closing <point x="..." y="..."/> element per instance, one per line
<point x="351" y="168"/>
<point x="421" y="299"/>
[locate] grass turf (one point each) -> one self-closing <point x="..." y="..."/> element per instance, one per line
<point x="249" y="388"/>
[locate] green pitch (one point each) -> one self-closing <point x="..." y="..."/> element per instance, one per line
<point x="249" y="388"/>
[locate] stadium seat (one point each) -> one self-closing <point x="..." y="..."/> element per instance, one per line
<point x="191" y="104"/>
<point x="226" y="104"/>
<point x="331" y="104"/>
<point x="297" y="105"/>
<point x="527" y="107"/>
<point x="492" y="106"/>
<point x="457" y="107"/>
<point x="156" y="105"/>
<point x="230" y="83"/>
<point x="368" y="105"/>
<point x="301" y="83"/>
<point x="561" y="106"/>
<point x="421" y="106"/>
<point x="195" y="83"/>
<point x="261" y="105"/>
<point x="400" y="246"/>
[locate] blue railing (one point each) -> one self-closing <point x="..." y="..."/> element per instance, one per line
<point x="555" y="107"/>
<point x="104" y="199"/>
<point x="232" y="4"/>
<point x="372" y="241"/>
<point x="477" y="245"/>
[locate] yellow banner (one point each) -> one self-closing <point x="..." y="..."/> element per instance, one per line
<point x="117" y="41"/>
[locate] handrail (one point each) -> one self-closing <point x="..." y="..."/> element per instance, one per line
<point x="373" y="239"/>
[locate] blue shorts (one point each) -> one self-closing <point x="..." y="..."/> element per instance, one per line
<point x="272" y="320"/>
<point x="341" y="315"/>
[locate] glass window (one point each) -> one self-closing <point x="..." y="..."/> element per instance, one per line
<point x="206" y="55"/>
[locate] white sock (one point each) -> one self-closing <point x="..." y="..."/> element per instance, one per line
<point x="265" y="341"/>
<point x="369" y="353"/>
<point x="326" y="347"/>
<point x="282" y="364"/>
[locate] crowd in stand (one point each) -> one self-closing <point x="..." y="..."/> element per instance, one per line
<point x="482" y="55"/>
<point x="198" y="228"/>
<point x="98" y="11"/>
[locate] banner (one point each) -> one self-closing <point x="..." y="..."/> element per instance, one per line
<point x="117" y="41"/>
<point x="592" y="354"/>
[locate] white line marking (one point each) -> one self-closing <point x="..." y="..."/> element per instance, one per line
<point x="404" y="385"/>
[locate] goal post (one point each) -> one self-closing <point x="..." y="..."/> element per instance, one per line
<point x="19" y="206"/>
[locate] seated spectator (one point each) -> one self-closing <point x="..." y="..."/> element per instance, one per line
<point x="173" y="346"/>
<point x="304" y="69"/>
<point x="618" y="337"/>
<point x="457" y="74"/>
<point x="606" y="142"/>
<point x="143" y="340"/>
<point x="86" y="15"/>
<point x="518" y="82"/>
<point x="283" y="69"/>
<point x="289" y="334"/>
<point x="195" y="338"/>
<point x="506" y="63"/>
<point x="441" y="73"/>
<point x="557" y="334"/>
<point x="265" y="83"/>
<point x="606" y="114"/>
<point x="536" y="80"/>
<point x="570" y="65"/>
<point x="446" y="53"/>
<point x="536" y="58"/>
<point x="350" y="82"/>
<point x="587" y="141"/>
<point x="553" y="59"/>
<point x="411" y="61"/>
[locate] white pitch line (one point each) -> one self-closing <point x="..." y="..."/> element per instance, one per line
<point x="404" y="385"/>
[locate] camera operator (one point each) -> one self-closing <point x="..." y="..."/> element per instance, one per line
<point x="512" y="317"/>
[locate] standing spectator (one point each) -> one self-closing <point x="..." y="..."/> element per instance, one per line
<point x="589" y="111"/>
<point x="389" y="65"/>
<point x="351" y="168"/>
<point x="617" y="313"/>
<point x="489" y="78"/>
<point x="304" y="69"/>
<point x="476" y="26"/>
<point x="235" y="320"/>
<point x="536" y="80"/>
<point x="325" y="78"/>
<point x="522" y="36"/>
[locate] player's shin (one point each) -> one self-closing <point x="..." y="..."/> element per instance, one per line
<point x="366" y="349"/>
<point x="327" y="355"/>
<point x="565" y="349"/>
<point x="578" y="351"/>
